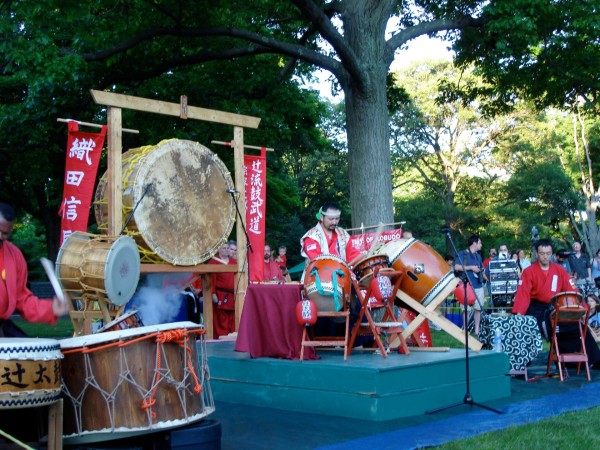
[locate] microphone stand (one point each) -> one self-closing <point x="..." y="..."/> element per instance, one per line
<point x="468" y="398"/>
<point x="248" y="244"/>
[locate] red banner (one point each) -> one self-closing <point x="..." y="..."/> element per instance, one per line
<point x="83" y="157"/>
<point x="255" y="185"/>
<point x="364" y="241"/>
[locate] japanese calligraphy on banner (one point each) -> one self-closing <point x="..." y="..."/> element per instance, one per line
<point x="364" y="241"/>
<point x="83" y="157"/>
<point x="255" y="186"/>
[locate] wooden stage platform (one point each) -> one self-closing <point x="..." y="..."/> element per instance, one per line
<point x="366" y="386"/>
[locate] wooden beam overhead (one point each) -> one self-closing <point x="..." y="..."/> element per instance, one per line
<point x="172" y="109"/>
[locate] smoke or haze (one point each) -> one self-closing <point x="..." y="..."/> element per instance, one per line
<point x="159" y="299"/>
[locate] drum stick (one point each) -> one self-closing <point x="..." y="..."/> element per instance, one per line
<point x="375" y="239"/>
<point x="49" y="268"/>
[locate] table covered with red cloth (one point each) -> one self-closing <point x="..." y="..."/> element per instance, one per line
<point x="268" y="325"/>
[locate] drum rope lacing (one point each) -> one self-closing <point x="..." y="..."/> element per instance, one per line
<point x="179" y="337"/>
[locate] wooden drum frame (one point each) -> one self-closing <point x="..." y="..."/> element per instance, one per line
<point x="129" y="382"/>
<point x="178" y="193"/>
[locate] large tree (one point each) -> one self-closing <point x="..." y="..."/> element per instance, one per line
<point x="120" y="43"/>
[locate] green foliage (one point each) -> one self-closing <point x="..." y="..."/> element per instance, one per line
<point x="544" y="50"/>
<point x="28" y="236"/>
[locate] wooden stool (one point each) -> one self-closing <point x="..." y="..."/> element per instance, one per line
<point x="568" y="308"/>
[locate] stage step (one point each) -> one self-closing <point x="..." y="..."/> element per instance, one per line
<point x="366" y="386"/>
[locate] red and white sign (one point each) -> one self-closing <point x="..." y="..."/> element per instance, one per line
<point x="83" y="157"/>
<point x="364" y="241"/>
<point x="255" y="185"/>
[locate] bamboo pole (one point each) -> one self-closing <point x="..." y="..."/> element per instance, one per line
<point x="96" y="125"/>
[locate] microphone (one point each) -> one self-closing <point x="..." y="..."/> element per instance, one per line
<point x="231" y="191"/>
<point x="445" y="230"/>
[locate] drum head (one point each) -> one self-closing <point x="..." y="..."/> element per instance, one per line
<point x="185" y="212"/>
<point x="122" y="270"/>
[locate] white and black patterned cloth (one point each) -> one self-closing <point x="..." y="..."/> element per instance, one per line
<point x="521" y="338"/>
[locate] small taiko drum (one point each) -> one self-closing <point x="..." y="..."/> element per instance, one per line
<point x="426" y="275"/>
<point x="130" y="320"/>
<point x="30" y="372"/>
<point x="365" y="268"/>
<point x="88" y="264"/>
<point x="327" y="282"/>
<point x="176" y="200"/>
<point x="131" y="382"/>
<point x="571" y="300"/>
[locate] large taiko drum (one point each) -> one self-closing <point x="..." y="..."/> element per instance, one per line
<point x="88" y="264"/>
<point x="30" y="370"/>
<point x="178" y="191"/>
<point x="426" y="274"/>
<point x="327" y="282"/>
<point x="130" y="382"/>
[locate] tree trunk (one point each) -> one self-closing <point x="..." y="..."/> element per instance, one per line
<point x="367" y="125"/>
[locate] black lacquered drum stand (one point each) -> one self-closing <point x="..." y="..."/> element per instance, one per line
<point x="468" y="398"/>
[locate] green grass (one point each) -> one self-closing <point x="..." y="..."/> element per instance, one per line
<point x="62" y="329"/>
<point x="574" y="430"/>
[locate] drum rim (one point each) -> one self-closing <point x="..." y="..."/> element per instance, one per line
<point x="117" y="320"/>
<point x="99" y="338"/>
<point x="139" y="186"/>
<point x="403" y="244"/>
<point x="331" y="256"/>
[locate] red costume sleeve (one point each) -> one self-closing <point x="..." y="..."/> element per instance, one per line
<point x="14" y="295"/>
<point x="312" y="248"/>
<point x="523" y="295"/>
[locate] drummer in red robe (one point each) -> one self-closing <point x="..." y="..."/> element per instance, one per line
<point x="539" y="283"/>
<point x="223" y="296"/>
<point x="327" y="237"/>
<point x="14" y="295"/>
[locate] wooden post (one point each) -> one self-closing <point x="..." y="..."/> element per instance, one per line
<point x="115" y="169"/>
<point x="242" y="278"/>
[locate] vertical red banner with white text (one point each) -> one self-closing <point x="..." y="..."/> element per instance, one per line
<point x="255" y="186"/>
<point x="83" y="157"/>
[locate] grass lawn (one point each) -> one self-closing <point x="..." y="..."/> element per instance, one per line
<point x="62" y="329"/>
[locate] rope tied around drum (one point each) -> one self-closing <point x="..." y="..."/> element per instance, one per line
<point x="179" y="337"/>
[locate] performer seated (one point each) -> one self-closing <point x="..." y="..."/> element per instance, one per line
<point x="326" y="237"/>
<point x="14" y="295"/>
<point x="539" y="283"/>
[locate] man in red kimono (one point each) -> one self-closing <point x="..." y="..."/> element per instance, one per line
<point x="223" y="296"/>
<point x="327" y="238"/>
<point x="271" y="269"/>
<point x="14" y="295"/>
<point x="539" y="283"/>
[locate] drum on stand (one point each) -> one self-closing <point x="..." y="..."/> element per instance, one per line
<point x="365" y="268"/>
<point x="126" y="321"/>
<point x="184" y="212"/>
<point x="426" y="274"/>
<point x="327" y="282"/>
<point x="88" y="264"/>
<point x="31" y="371"/>
<point x="130" y="382"/>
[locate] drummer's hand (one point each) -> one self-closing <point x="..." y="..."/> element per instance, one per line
<point x="59" y="307"/>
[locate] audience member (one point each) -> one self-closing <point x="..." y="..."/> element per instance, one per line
<point x="562" y="259"/>
<point x="271" y="270"/>
<point x="469" y="261"/>
<point x="596" y="265"/>
<point x="580" y="264"/>
<point x="491" y="255"/>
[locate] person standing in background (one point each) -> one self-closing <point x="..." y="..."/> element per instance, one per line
<point x="472" y="265"/>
